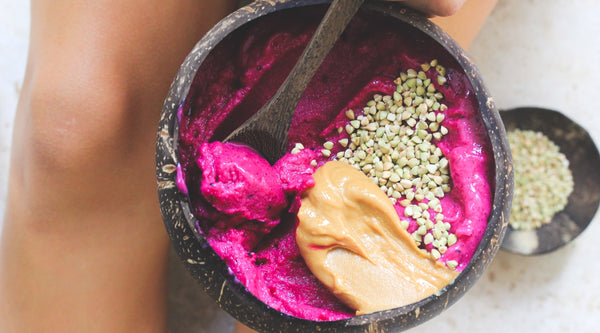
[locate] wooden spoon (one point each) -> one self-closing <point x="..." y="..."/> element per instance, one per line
<point x="267" y="130"/>
<point x="584" y="161"/>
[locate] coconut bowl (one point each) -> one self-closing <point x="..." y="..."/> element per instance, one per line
<point x="584" y="162"/>
<point x="212" y="273"/>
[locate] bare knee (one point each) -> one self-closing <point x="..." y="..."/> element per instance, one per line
<point x="82" y="124"/>
<point x="83" y="141"/>
<point x="80" y="223"/>
<point x="72" y="123"/>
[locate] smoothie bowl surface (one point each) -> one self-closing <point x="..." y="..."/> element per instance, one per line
<point x="233" y="217"/>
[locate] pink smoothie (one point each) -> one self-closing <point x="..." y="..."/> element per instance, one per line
<point x="246" y="208"/>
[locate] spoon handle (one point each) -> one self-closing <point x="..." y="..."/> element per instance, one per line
<point x="272" y="121"/>
<point x="334" y="22"/>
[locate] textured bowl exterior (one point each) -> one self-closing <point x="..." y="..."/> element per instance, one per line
<point x="213" y="274"/>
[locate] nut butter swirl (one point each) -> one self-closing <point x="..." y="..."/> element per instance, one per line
<point x="352" y="240"/>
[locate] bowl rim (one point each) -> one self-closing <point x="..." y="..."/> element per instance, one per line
<point x="212" y="273"/>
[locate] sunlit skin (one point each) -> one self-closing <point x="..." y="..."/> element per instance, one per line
<point x="83" y="247"/>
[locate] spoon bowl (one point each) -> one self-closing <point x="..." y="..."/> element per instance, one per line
<point x="584" y="162"/>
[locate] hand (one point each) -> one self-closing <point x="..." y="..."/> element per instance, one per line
<point x="435" y="7"/>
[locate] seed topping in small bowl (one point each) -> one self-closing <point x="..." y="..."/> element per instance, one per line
<point x="543" y="181"/>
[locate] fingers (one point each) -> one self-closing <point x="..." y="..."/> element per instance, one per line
<point x="435" y="7"/>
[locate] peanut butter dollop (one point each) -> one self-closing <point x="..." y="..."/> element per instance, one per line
<point x="352" y="240"/>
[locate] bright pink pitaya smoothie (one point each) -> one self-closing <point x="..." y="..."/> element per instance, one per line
<point x="247" y="208"/>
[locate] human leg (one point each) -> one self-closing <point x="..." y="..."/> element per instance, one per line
<point x="83" y="248"/>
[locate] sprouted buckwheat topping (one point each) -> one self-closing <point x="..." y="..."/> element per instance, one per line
<point x="392" y="141"/>
<point x="543" y="181"/>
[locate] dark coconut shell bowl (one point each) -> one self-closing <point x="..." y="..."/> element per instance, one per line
<point x="211" y="271"/>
